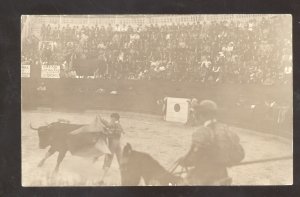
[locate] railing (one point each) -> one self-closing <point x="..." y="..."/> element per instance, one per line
<point x="142" y="97"/>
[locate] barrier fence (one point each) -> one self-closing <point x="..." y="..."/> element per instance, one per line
<point x="142" y="97"/>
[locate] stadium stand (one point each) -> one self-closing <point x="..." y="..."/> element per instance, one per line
<point x="240" y="61"/>
<point x="256" y="50"/>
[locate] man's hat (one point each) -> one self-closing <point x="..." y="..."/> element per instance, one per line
<point x="115" y="115"/>
<point x="207" y="107"/>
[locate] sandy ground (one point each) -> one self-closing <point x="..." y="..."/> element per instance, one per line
<point x="165" y="141"/>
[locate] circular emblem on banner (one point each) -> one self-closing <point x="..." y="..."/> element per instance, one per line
<point x="176" y="107"/>
<point x="177" y="110"/>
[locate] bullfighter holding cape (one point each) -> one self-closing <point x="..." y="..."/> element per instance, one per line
<point x="89" y="140"/>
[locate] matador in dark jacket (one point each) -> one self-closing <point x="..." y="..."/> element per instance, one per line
<point x="203" y="169"/>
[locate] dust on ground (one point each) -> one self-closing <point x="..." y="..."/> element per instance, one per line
<point x="165" y="141"/>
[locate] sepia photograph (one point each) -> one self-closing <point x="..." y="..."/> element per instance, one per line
<point x="156" y="100"/>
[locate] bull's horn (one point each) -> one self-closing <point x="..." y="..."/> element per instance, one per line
<point x="33" y="127"/>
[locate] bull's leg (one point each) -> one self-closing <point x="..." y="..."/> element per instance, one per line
<point x="60" y="157"/>
<point x="48" y="154"/>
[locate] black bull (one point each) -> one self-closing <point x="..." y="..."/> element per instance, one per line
<point x="57" y="136"/>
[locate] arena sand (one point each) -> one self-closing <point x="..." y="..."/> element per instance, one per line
<point x="165" y="141"/>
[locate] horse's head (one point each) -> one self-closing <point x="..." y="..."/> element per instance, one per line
<point x="127" y="151"/>
<point x="130" y="175"/>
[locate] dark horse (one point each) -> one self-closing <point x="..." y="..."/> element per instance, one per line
<point x="136" y="165"/>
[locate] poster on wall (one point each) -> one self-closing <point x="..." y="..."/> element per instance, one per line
<point x="46" y="44"/>
<point x="25" y="71"/>
<point x="50" y="71"/>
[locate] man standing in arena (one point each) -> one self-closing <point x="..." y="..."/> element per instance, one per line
<point x="114" y="131"/>
<point x="192" y="120"/>
<point x="207" y="156"/>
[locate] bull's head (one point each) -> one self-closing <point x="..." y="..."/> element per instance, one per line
<point x="44" y="135"/>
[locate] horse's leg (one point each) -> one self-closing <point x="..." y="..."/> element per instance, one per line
<point x="47" y="155"/>
<point x="60" y="157"/>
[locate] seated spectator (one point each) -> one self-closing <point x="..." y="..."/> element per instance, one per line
<point x="254" y="51"/>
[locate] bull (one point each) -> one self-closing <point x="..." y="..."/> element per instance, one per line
<point x="62" y="137"/>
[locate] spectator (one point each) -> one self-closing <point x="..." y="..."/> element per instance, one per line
<point x="255" y="51"/>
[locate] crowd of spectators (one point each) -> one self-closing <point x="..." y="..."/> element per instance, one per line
<point x="256" y="51"/>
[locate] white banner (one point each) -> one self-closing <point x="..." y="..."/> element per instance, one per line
<point x="25" y="71"/>
<point x="45" y="44"/>
<point x="177" y="110"/>
<point x="50" y="71"/>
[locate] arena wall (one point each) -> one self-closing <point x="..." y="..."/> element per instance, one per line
<point x="142" y="97"/>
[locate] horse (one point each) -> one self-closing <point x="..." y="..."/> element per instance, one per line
<point x="136" y="165"/>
